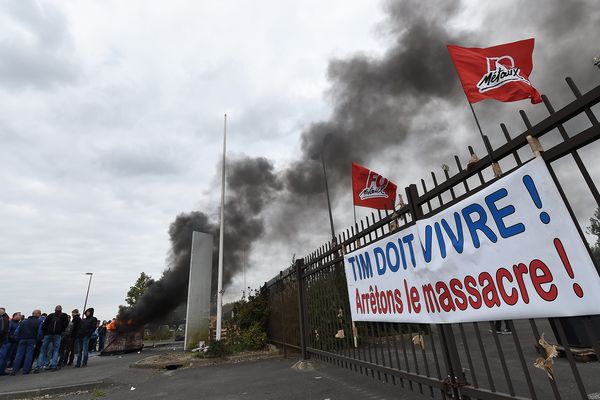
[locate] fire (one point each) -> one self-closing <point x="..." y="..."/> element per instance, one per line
<point x="115" y="324"/>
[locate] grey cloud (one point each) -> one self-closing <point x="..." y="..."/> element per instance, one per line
<point x="139" y="162"/>
<point x="39" y="52"/>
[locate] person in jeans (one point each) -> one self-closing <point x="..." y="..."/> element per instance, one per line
<point x="38" y="344"/>
<point x="27" y="335"/>
<point x="53" y="327"/>
<point x="86" y="328"/>
<point x="6" y="351"/>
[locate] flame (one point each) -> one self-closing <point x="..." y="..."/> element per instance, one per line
<point x="113" y="325"/>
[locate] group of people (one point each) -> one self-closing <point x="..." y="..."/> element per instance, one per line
<point x="48" y="342"/>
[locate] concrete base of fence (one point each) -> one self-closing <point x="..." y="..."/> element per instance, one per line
<point x="304" y="365"/>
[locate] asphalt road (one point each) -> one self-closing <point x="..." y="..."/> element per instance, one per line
<point x="256" y="380"/>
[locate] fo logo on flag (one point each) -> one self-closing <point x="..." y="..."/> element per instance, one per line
<point x="372" y="190"/>
<point x="500" y="70"/>
<point x="376" y="185"/>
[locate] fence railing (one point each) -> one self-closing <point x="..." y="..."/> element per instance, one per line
<point x="310" y="308"/>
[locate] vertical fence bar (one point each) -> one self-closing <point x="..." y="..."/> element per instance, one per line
<point x="301" y="312"/>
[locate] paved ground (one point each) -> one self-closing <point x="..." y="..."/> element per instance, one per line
<point x="99" y="368"/>
<point x="256" y="380"/>
<point x="253" y="380"/>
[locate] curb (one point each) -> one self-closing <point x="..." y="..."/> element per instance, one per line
<point x="22" y="394"/>
<point x="163" y="344"/>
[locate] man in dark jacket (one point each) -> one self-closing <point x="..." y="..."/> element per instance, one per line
<point x="65" y="343"/>
<point x="101" y="336"/>
<point x="4" y="322"/>
<point x="27" y="334"/>
<point x="86" y="328"/>
<point x="52" y="328"/>
<point x="6" y="350"/>
<point x="69" y="354"/>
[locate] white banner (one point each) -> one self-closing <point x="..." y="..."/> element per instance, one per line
<point x="509" y="251"/>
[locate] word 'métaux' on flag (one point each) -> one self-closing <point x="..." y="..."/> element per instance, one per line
<point x="499" y="72"/>
<point x="372" y="190"/>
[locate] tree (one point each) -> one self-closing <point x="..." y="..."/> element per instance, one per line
<point x="594" y="229"/>
<point x="138" y="289"/>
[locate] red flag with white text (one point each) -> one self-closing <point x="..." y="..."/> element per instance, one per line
<point x="499" y="72"/>
<point x="372" y="190"/>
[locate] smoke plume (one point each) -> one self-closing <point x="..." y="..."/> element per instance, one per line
<point x="251" y="183"/>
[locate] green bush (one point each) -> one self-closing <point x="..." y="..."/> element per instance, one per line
<point x="218" y="349"/>
<point x="253" y="338"/>
<point x="254" y="310"/>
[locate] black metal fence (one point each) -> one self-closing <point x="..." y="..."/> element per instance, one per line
<point x="310" y="309"/>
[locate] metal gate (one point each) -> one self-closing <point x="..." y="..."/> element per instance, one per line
<point x="310" y="309"/>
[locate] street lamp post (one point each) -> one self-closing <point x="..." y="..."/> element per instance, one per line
<point x="88" y="290"/>
<point x="328" y="199"/>
<point x="321" y="155"/>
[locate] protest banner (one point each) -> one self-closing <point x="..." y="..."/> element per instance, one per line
<point x="509" y="251"/>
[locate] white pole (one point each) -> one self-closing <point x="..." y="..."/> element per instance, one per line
<point x="221" y="240"/>
<point x="244" y="265"/>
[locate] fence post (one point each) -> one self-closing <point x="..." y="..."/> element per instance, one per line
<point x="282" y="311"/>
<point x="299" y="264"/>
<point x="456" y="376"/>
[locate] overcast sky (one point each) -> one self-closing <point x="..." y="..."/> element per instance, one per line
<point x="111" y="121"/>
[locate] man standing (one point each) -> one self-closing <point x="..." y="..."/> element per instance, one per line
<point x="27" y="334"/>
<point x="101" y="336"/>
<point x="69" y="354"/>
<point x="4" y="322"/>
<point x="52" y="328"/>
<point x="65" y="343"/>
<point x="38" y="344"/>
<point x="9" y="345"/>
<point x="86" y="328"/>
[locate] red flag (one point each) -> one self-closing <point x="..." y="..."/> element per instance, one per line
<point x="498" y="72"/>
<point x="371" y="189"/>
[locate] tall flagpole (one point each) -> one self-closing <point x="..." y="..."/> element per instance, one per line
<point x="221" y="239"/>
<point x="353" y="205"/>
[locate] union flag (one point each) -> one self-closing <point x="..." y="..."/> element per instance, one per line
<point x="499" y="72"/>
<point x="372" y="190"/>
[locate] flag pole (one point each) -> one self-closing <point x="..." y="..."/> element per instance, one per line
<point x="486" y="143"/>
<point x="353" y="205"/>
<point x="221" y="238"/>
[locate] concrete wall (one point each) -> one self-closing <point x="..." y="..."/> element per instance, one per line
<point x="198" y="304"/>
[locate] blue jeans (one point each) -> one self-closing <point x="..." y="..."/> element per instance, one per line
<point x="82" y="345"/>
<point x="5" y="352"/>
<point x="24" y="356"/>
<point x="55" y="341"/>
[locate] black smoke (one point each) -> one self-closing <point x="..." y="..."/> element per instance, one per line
<point x="251" y="184"/>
